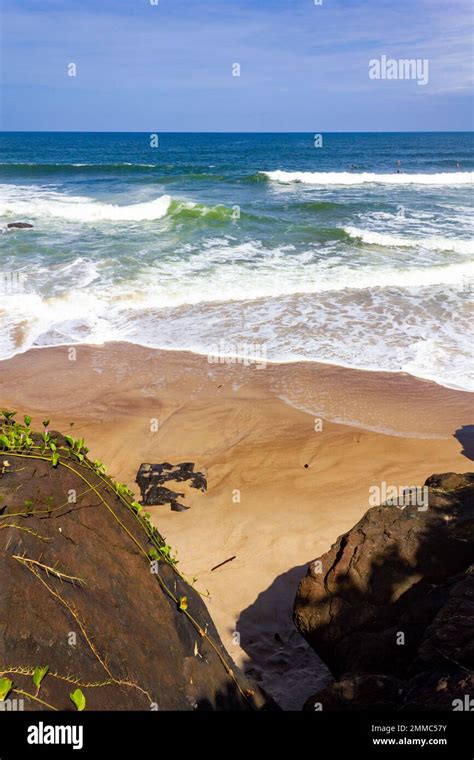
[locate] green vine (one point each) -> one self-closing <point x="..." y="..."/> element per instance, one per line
<point x="18" y="441"/>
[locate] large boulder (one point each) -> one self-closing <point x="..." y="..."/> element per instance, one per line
<point x="91" y="591"/>
<point x="357" y="692"/>
<point x="394" y="598"/>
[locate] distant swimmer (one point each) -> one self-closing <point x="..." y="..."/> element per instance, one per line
<point x="458" y="165"/>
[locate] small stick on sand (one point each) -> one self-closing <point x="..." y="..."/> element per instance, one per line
<point x="223" y="563"/>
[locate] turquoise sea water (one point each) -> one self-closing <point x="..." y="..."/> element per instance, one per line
<point x="333" y="254"/>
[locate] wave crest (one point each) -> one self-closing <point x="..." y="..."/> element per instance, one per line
<point x="81" y="209"/>
<point x="349" y="178"/>
<point x="396" y="241"/>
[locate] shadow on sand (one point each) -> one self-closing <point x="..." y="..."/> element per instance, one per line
<point x="465" y="436"/>
<point x="393" y="572"/>
<point x="279" y="659"/>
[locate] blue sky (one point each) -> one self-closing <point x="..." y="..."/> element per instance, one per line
<point x="168" y="67"/>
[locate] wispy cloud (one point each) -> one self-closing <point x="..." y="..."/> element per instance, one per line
<point x="303" y="66"/>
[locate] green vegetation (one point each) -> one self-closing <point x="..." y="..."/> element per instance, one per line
<point x="78" y="699"/>
<point x="5" y="688"/>
<point x="17" y="440"/>
<point x="38" y="676"/>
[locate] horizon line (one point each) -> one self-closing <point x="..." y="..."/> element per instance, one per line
<point x="237" y="132"/>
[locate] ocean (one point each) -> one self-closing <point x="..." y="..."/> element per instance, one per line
<point x="317" y="249"/>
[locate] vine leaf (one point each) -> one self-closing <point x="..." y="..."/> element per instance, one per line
<point x="78" y="699"/>
<point x="38" y="675"/>
<point x="5" y="688"/>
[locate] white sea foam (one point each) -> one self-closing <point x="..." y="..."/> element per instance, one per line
<point x="404" y="332"/>
<point x="224" y="272"/>
<point x="433" y="243"/>
<point x="274" y="278"/>
<point x="36" y="203"/>
<point x="407" y="330"/>
<point x="323" y="301"/>
<point x="81" y="271"/>
<point x="73" y="318"/>
<point x="349" y="178"/>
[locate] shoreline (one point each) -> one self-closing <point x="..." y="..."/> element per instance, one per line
<point x="240" y="360"/>
<point x="301" y="480"/>
<point x="373" y="379"/>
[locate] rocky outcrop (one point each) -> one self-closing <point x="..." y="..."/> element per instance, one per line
<point x="91" y="594"/>
<point x="390" y="607"/>
<point x="150" y="479"/>
<point x="357" y="692"/>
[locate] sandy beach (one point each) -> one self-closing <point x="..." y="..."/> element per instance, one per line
<point x="289" y="452"/>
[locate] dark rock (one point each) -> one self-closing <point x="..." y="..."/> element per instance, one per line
<point x="450" y="481"/>
<point x="450" y="635"/>
<point x="19" y="225"/>
<point x="150" y="479"/>
<point x="177" y="507"/>
<point x="440" y="689"/>
<point x="80" y="595"/>
<point x="394" y="597"/>
<point x="358" y="692"/>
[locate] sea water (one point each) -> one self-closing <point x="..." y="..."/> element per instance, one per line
<point x="351" y="249"/>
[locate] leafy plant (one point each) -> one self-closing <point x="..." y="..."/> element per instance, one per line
<point x="78" y="699"/>
<point x="6" y="685"/>
<point x="17" y="438"/>
<point x="8" y="415"/>
<point x="28" y="504"/>
<point x="39" y="674"/>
